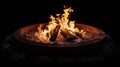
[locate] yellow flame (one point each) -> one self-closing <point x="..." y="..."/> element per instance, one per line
<point x="63" y="21"/>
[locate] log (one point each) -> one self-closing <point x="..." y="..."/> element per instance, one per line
<point x="79" y="34"/>
<point x="67" y="35"/>
<point x="54" y="33"/>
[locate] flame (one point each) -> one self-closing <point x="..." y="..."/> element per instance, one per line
<point x="45" y="31"/>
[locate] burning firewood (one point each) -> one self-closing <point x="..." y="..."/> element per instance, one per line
<point x="44" y="27"/>
<point x="54" y="33"/>
<point x="67" y="35"/>
<point x="79" y="34"/>
<point x="41" y="27"/>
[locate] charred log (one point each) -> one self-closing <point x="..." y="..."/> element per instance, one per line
<point x="79" y="34"/>
<point x="55" y="33"/>
<point x="67" y="35"/>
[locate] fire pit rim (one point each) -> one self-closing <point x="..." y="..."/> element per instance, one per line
<point x="20" y="38"/>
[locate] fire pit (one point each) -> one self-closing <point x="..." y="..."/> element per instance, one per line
<point x="60" y="32"/>
<point x="26" y="35"/>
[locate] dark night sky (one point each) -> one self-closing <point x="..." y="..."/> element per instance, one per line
<point x="19" y="14"/>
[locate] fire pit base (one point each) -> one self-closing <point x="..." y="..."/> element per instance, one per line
<point x="59" y="51"/>
<point x="15" y="53"/>
<point x="12" y="52"/>
<point x="66" y="51"/>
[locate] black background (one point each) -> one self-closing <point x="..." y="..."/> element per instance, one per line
<point x="101" y="14"/>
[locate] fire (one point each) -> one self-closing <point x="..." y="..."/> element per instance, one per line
<point x="59" y="28"/>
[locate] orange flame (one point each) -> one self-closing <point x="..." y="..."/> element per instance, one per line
<point x="63" y="21"/>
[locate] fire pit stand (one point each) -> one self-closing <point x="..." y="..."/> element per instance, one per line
<point x="12" y="54"/>
<point x="86" y="46"/>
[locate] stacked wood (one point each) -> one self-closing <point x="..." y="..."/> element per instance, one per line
<point x="67" y="35"/>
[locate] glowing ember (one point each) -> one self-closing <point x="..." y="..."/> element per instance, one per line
<point x="59" y="29"/>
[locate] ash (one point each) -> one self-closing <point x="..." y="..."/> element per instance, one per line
<point x="10" y="54"/>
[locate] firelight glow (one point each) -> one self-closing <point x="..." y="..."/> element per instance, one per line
<point x="58" y="27"/>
